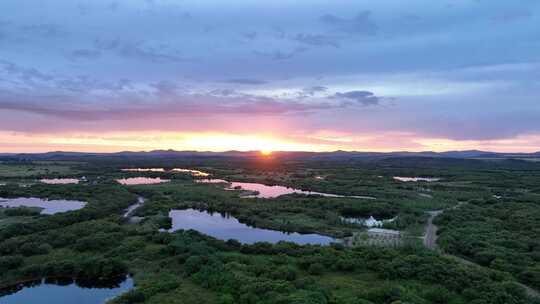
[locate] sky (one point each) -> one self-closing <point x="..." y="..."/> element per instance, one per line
<point x="388" y="75"/>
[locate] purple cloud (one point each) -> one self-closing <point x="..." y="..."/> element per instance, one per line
<point x="365" y="98"/>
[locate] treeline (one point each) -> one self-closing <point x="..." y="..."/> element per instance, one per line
<point x="496" y="233"/>
<point x="287" y="273"/>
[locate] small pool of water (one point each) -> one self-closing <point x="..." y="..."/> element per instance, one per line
<point x="367" y="222"/>
<point x="228" y="227"/>
<point x="141" y="181"/>
<point x="63" y="292"/>
<point x="191" y="171"/>
<point x="416" y="179"/>
<point x="48" y="206"/>
<point x="59" y="181"/>
<point x="211" y="181"/>
<point x="144" y="170"/>
<point x="264" y="191"/>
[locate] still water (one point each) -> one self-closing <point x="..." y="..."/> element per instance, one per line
<point x="141" y="181"/>
<point x="264" y="191"/>
<point x="175" y="170"/>
<point x="59" y="181"/>
<point x="48" y="206"/>
<point x="416" y="179"/>
<point x="228" y="227"/>
<point x="67" y="292"/>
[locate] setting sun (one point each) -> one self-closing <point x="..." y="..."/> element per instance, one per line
<point x="266" y="152"/>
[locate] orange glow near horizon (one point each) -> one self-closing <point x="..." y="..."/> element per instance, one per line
<point x="266" y="152"/>
<point x="11" y="142"/>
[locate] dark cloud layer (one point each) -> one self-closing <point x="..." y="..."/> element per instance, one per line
<point x="365" y="98"/>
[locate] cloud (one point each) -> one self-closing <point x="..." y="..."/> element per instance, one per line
<point x="113" y="6"/>
<point x="281" y="55"/>
<point x="365" y="98"/>
<point x="245" y="81"/>
<point x="44" y="30"/>
<point x="165" y="101"/>
<point x="310" y="91"/>
<point x="23" y="73"/>
<point x="511" y="16"/>
<point x="165" y="88"/>
<point x="85" y="54"/>
<point x="139" y="51"/>
<point x="316" y="40"/>
<point x="3" y="26"/>
<point x="360" y="24"/>
<point x="249" y="35"/>
<point x="223" y="92"/>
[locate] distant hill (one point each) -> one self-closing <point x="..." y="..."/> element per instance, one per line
<point x="336" y="155"/>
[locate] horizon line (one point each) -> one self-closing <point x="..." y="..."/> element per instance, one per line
<point x="273" y="152"/>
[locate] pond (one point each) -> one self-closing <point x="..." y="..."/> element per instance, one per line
<point x="416" y="179"/>
<point x="367" y="222"/>
<point x="48" y="206"/>
<point x="190" y="171"/>
<point x="264" y="191"/>
<point x="59" y="181"/>
<point x="64" y="291"/>
<point x="141" y="181"/>
<point x="144" y="170"/>
<point x="227" y="227"/>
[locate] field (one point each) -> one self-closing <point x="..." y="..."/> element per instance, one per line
<point x="487" y="238"/>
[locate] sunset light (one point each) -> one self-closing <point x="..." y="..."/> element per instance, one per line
<point x="327" y="78"/>
<point x="266" y="152"/>
<point x="219" y="152"/>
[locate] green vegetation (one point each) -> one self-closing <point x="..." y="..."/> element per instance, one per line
<point x="502" y="235"/>
<point x="36" y="169"/>
<point x="97" y="245"/>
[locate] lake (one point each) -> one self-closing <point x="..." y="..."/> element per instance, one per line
<point x="227" y="227"/>
<point x="416" y="179"/>
<point x="67" y="292"/>
<point x="264" y="191"/>
<point x="48" y="206"/>
<point x="141" y="181"/>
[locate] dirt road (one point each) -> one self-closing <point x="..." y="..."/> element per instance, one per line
<point x="430" y="236"/>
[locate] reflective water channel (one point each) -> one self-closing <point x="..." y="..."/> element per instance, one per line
<point x="130" y="181"/>
<point x="59" y="181"/>
<point x="227" y="227"/>
<point x="47" y="206"/>
<point x="264" y="191"/>
<point x="416" y="179"/>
